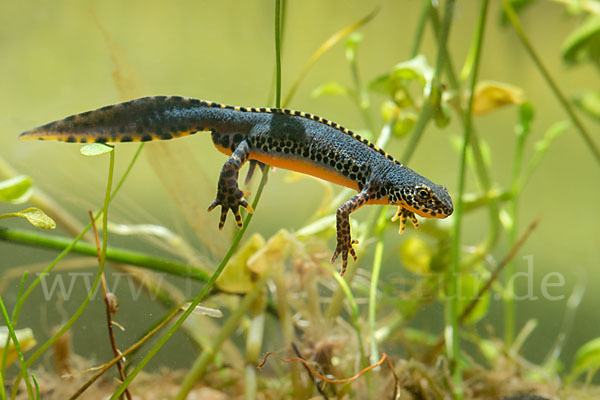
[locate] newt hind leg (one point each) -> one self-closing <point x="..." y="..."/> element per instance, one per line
<point x="229" y="195"/>
<point x="344" y="240"/>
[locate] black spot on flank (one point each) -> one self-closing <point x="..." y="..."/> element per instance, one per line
<point x="41" y="138"/>
<point x="71" y="139"/>
<point x="83" y="140"/>
<point x="101" y="139"/>
<point x="193" y="132"/>
<point x="433" y="214"/>
<point x="237" y="138"/>
<point x="125" y="139"/>
<point x="146" y="138"/>
<point x="166" y="136"/>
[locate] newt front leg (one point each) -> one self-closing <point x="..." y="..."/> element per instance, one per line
<point x="229" y="195"/>
<point x="344" y="240"/>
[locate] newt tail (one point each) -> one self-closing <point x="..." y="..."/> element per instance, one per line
<point x="283" y="138"/>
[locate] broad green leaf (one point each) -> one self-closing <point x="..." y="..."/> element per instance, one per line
<point x="381" y="84"/>
<point x="491" y="95"/>
<point x="469" y="287"/>
<point x="416" y="256"/>
<point x="236" y="277"/>
<point x="35" y="216"/>
<point x="25" y="338"/>
<point x="330" y="89"/>
<point x="584" y="42"/>
<point x="95" y="149"/>
<point x="415" y="68"/>
<point x="587" y="358"/>
<point x="589" y="102"/>
<point x="405" y="124"/>
<point x="16" y="190"/>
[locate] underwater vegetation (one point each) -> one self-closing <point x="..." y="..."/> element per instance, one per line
<point x="118" y="283"/>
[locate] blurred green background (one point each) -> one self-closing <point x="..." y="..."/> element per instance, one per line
<point x="54" y="62"/>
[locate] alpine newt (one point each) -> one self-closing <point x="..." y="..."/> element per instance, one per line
<point x="283" y="138"/>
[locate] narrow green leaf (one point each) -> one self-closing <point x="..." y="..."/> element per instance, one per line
<point x="35" y="216"/>
<point x="16" y="190"/>
<point x="94" y="149"/>
<point x="330" y="89"/>
<point x="325" y="46"/>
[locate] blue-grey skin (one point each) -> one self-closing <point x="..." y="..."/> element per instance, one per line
<point x="285" y="138"/>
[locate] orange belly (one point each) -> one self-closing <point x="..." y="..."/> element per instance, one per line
<point x="305" y="167"/>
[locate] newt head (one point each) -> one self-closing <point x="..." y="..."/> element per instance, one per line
<point x="417" y="194"/>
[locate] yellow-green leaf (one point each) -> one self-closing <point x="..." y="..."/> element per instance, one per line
<point x="95" y="149"/>
<point x="16" y="190"/>
<point x="491" y="95"/>
<point x="271" y="255"/>
<point x="236" y="277"/>
<point x="330" y="89"/>
<point x="35" y="216"/>
<point x="589" y="102"/>
<point x="416" y="255"/>
<point x="25" y="338"/>
<point x="587" y="358"/>
<point x="469" y="287"/>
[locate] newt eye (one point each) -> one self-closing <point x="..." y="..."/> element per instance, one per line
<point x="423" y="194"/>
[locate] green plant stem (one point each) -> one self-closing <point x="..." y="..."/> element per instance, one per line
<point x="427" y="109"/>
<point x="377" y="260"/>
<point x="278" y="53"/>
<point x="13" y="335"/>
<point x="208" y="354"/>
<point x="87" y="300"/>
<point x="418" y="36"/>
<point x="514" y="19"/>
<point x="452" y="321"/>
<point x="66" y="251"/>
<point x="7" y="343"/>
<point x="329" y="43"/>
<point x="337" y="299"/>
<point x="209" y="284"/>
<point x="480" y="169"/>
<point x="236" y="240"/>
<point x="143" y="260"/>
